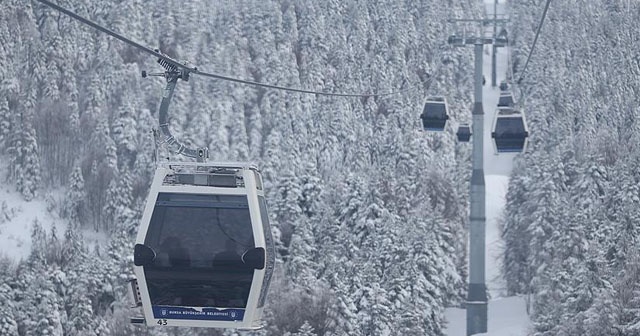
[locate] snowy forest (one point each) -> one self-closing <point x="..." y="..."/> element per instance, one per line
<point x="369" y="212"/>
<point x="571" y="220"/>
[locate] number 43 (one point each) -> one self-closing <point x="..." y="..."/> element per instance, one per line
<point x="161" y="322"/>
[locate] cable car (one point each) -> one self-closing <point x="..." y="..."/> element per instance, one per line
<point x="434" y="115"/>
<point x="506" y="99"/>
<point x="457" y="40"/>
<point x="204" y="254"/>
<point x="510" y="131"/>
<point x="464" y="133"/>
<point x="501" y="40"/>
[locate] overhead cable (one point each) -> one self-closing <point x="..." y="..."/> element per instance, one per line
<point x="195" y="70"/>
<point x="544" y="14"/>
<point x="290" y="89"/>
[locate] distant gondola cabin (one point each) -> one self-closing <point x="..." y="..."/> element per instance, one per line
<point x="457" y="40"/>
<point x="435" y="114"/>
<point x="505" y="100"/>
<point x="464" y="133"/>
<point x="510" y="131"/>
<point x="501" y="39"/>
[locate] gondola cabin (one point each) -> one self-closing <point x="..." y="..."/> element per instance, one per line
<point x="464" y="133"/>
<point x="509" y="131"/>
<point x="506" y="99"/>
<point x="204" y="254"/>
<point x="435" y="114"/>
<point x="501" y="40"/>
<point x="457" y="40"/>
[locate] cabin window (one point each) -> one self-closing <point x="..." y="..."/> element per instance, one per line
<point x="435" y="110"/>
<point x="510" y="127"/>
<point x="505" y="101"/>
<point x="199" y="241"/>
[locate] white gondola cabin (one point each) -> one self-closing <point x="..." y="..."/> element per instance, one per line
<point x="435" y="114"/>
<point x="204" y="254"/>
<point x="510" y="131"/>
<point x="506" y="99"/>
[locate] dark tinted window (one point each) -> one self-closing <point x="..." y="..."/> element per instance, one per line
<point x="510" y="144"/>
<point x="505" y="101"/>
<point x="435" y="110"/>
<point x="510" y="127"/>
<point x="198" y="241"/>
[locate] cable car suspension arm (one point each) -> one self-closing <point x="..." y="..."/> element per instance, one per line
<point x="172" y="75"/>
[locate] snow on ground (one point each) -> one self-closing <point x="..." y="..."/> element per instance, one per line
<point x="17" y="217"/>
<point x="496" y="188"/>
<point x="95" y="239"/>
<point x="507" y="316"/>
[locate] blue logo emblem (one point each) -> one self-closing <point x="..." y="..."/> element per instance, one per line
<point x="164" y="312"/>
<point x="233" y="314"/>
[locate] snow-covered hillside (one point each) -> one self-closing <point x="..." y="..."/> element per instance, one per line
<point x="366" y="207"/>
<point x="17" y="218"/>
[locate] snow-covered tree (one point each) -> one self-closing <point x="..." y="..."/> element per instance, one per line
<point x="74" y="206"/>
<point x="349" y="181"/>
<point x="8" y="324"/>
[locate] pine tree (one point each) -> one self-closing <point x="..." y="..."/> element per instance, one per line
<point x="5" y="122"/>
<point x="28" y="181"/>
<point x="627" y="301"/>
<point x="124" y="131"/>
<point x="103" y="165"/>
<point x="589" y="249"/>
<point x="81" y="317"/>
<point x="286" y="209"/>
<point x="328" y="220"/>
<point x="23" y="149"/>
<point x="74" y="206"/>
<point x="49" y="322"/>
<point x="145" y="164"/>
<point x="305" y="330"/>
<point x="38" y="241"/>
<point x="8" y="325"/>
<point x="118" y="198"/>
